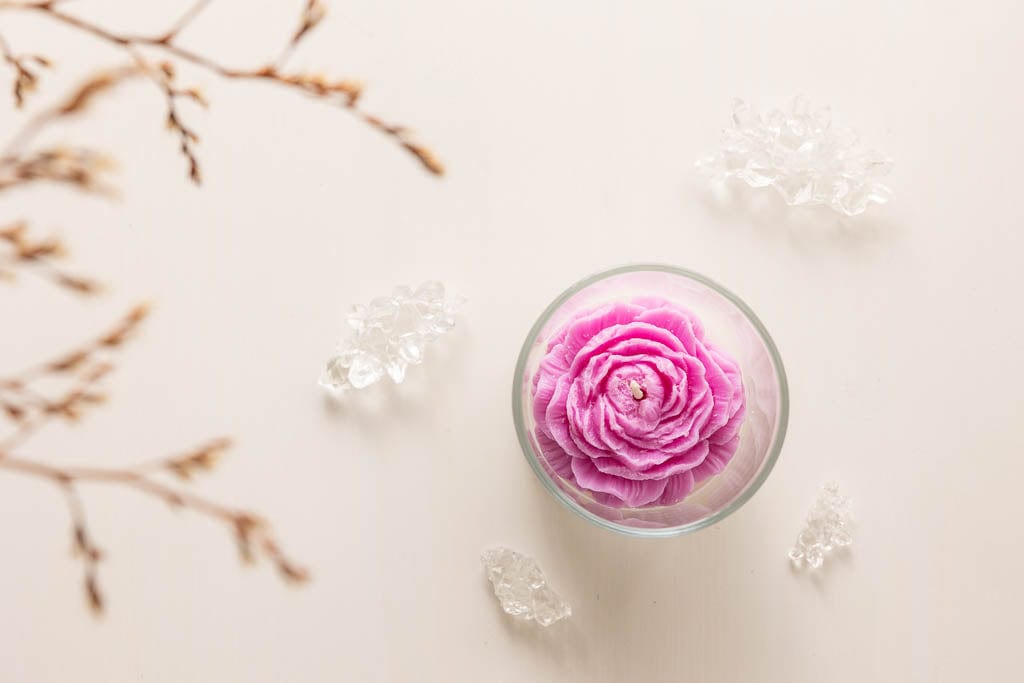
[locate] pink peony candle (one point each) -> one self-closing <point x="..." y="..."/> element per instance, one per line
<point x="635" y="405"/>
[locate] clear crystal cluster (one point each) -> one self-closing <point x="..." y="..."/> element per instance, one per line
<point x="827" y="528"/>
<point x="802" y="156"/>
<point x="521" y="588"/>
<point x="389" y="335"/>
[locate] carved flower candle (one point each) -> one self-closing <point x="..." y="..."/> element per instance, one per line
<point x="635" y="405"/>
<point x="630" y="407"/>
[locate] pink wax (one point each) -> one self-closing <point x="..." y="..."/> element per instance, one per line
<point x="634" y="405"/>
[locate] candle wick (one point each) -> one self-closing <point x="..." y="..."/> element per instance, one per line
<point x="638" y="392"/>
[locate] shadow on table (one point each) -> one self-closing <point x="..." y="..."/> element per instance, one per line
<point x="763" y="212"/>
<point x="643" y="604"/>
<point x="420" y="399"/>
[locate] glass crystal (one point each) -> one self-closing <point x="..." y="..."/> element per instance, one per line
<point x="396" y="369"/>
<point x="826" y="529"/>
<point x="431" y="291"/>
<point x="364" y="371"/>
<point x="335" y="374"/>
<point x="521" y="588"/>
<point x="800" y="154"/>
<point x="389" y="335"/>
<point x="410" y="348"/>
<point x="442" y="323"/>
<point x="357" y="317"/>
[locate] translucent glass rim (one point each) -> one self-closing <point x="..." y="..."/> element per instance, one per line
<point x="782" y="421"/>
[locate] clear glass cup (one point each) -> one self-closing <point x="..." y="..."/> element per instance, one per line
<point x="731" y="326"/>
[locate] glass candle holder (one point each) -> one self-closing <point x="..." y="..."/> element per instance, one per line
<point x="730" y="328"/>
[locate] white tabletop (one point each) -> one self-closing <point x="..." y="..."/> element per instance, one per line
<point x="569" y="130"/>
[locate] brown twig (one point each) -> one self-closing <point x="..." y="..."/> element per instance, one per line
<point x="343" y="92"/>
<point x="80" y="370"/>
<point x="253" y="534"/>
<point x="186" y="465"/>
<point x="81" y="169"/>
<point x="17" y="249"/>
<point x="190" y="14"/>
<point x="85" y="366"/>
<point x="312" y="14"/>
<point x="84" y="547"/>
<point x="28" y="400"/>
<point x="77" y="102"/>
<point x="187" y="138"/>
<point x="25" y="77"/>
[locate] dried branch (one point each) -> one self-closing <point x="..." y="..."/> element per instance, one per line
<point x="186" y="465"/>
<point x="82" y="169"/>
<point x="252" y="533"/>
<point x="78" y="371"/>
<point x="190" y="14"/>
<point x="83" y="355"/>
<point x="65" y="387"/>
<point x="29" y="409"/>
<point x="77" y="102"/>
<point x="343" y="92"/>
<point x="312" y="14"/>
<point x="187" y="138"/>
<point x="17" y="249"/>
<point x="84" y="547"/>
<point x="25" y="77"/>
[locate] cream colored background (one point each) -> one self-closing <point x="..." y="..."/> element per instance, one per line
<point x="569" y="129"/>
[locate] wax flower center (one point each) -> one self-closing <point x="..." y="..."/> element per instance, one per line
<point x="637" y="390"/>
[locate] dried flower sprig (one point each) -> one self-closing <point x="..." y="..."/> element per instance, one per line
<point x="28" y="400"/>
<point x="25" y="68"/>
<point x="196" y="461"/>
<point x="29" y="408"/>
<point x="252" y="533"/>
<point x="19" y="249"/>
<point x="79" y="168"/>
<point x="77" y="371"/>
<point x="187" y="137"/>
<point x="312" y="14"/>
<point x="344" y="92"/>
